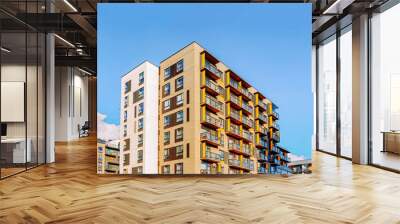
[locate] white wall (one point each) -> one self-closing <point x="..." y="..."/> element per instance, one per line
<point x="71" y="102"/>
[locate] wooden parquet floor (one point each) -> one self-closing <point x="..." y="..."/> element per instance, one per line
<point x="69" y="191"/>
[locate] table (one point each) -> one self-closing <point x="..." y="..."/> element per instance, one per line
<point x="13" y="150"/>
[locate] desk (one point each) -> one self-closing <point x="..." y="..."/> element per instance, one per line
<point x="13" y="150"/>
<point x="391" y="141"/>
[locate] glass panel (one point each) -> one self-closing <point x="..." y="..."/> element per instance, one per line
<point x="13" y="87"/>
<point x="31" y="98"/>
<point x="346" y="92"/>
<point x="385" y="84"/>
<point x="41" y="98"/>
<point x="327" y="95"/>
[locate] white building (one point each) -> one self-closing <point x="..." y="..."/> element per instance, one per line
<point x="139" y="120"/>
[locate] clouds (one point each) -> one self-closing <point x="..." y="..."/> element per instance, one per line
<point x="106" y="131"/>
<point x="294" y="157"/>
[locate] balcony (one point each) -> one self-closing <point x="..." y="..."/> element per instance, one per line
<point x="112" y="160"/>
<point x="234" y="146"/>
<point x="213" y="88"/>
<point x="283" y="170"/>
<point x="273" y="160"/>
<point x="274" y="150"/>
<point x="246" y="150"/>
<point x="212" y="122"/>
<point x="262" y="130"/>
<point x="112" y="168"/>
<point x="262" y="143"/>
<point x="262" y="118"/>
<point x="261" y="170"/>
<point x="247" y="136"/>
<point x="111" y="152"/>
<point x="247" y="122"/>
<point x="234" y="130"/>
<point x="285" y="158"/>
<point x="210" y="138"/>
<point x="247" y="108"/>
<point x="273" y="114"/>
<point x="235" y="86"/>
<point x="262" y="106"/>
<point x="246" y="94"/>
<point x="274" y="125"/>
<point x="248" y="165"/>
<point x="235" y="116"/>
<point x="207" y="155"/>
<point x="235" y="101"/>
<point x="213" y="104"/>
<point x="261" y="156"/>
<point x="212" y="71"/>
<point x="234" y="163"/>
<point x="276" y="137"/>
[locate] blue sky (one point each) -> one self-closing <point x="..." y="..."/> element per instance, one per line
<point x="267" y="44"/>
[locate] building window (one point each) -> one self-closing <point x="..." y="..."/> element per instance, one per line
<point x="140" y="140"/>
<point x="140" y="124"/>
<point x="140" y="156"/>
<point x="127" y="86"/>
<point x="139" y="170"/>
<point x="179" y="99"/>
<point x="178" y="134"/>
<point x="167" y="137"/>
<point x="125" y="130"/>
<point x="179" y="168"/>
<point x="166" y="154"/>
<point x="125" y="116"/>
<point x="126" y="159"/>
<point x="126" y="101"/>
<point x="141" y="108"/>
<point x="179" y="83"/>
<point x="179" y="151"/>
<point x="167" y="89"/>
<point x="141" y="92"/>
<point x="167" y="104"/>
<point x="167" y="73"/>
<point x="187" y="114"/>
<point x="187" y="150"/>
<point x="187" y="97"/>
<point x="166" y="169"/>
<point x="167" y="120"/>
<point x="141" y="78"/>
<point x="179" y="66"/>
<point x="179" y="116"/>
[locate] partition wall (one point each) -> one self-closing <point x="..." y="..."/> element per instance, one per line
<point x="335" y="94"/>
<point x="23" y="84"/>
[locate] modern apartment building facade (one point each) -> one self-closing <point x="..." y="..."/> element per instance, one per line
<point x="212" y="121"/>
<point x="108" y="157"/>
<point x="139" y="120"/>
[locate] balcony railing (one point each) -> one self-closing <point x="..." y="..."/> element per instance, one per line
<point x="234" y="162"/>
<point x="248" y="164"/>
<point x="217" y="122"/>
<point x="234" y="84"/>
<point x="211" y="101"/>
<point x="275" y="125"/>
<point x="262" y="130"/>
<point x="247" y="135"/>
<point x="275" y="149"/>
<point x="114" y="160"/>
<point x="247" y="121"/>
<point x="263" y="105"/>
<point x="234" y="145"/>
<point x="234" y="99"/>
<point x="214" y="86"/>
<point x="235" y="114"/>
<point x="246" y="149"/>
<point x="273" y="114"/>
<point x="112" y="152"/>
<point x="208" y="136"/>
<point x="247" y="93"/>
<point x="285" y="158"/>
<point x="283" y="169"/>
<point x="261" y="156"/>
<point x="210" y="67"/>
<point x="261" y="170"/>
<point x="276" y="137"/>
<point x="208" y="155"/>
<point x="247" y="107"/>
<point x="234" y="129"/>
<point x="263" y="118"/>
<point x="263" y="143"/>
<point x="112" y="167"/>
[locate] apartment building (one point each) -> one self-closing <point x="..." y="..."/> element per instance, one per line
<point x="108" y="157"/>
<point x="212" y="121"/>
<point x="139" y="120"/>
